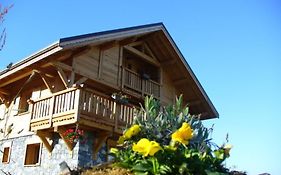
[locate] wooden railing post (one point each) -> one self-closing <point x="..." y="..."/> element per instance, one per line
<point x="51" y="110"/>
<point x="117" y="115"/>
<point x="76" y="103"/>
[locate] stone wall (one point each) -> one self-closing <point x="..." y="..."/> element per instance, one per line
<point x="49" y="163"/>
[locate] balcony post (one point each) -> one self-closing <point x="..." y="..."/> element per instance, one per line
<point x="51" y="110"/>
<point x="76" y="104"/>
<point x="117" y="115"/>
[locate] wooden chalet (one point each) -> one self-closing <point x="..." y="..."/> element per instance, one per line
<point x="70" y="83"/>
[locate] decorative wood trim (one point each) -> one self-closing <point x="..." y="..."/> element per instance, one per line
<point x="99" y="141"/>
<point x="142" y="55"/>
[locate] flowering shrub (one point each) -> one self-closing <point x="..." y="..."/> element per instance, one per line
<point x="73" y="135"/>
<point x="169" y="141"/>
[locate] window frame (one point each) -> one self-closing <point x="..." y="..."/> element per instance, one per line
<point x="39" y="154"/>
<point x="8" y="155"/>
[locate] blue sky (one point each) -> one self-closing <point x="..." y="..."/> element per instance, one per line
<point x="233" y="47"/>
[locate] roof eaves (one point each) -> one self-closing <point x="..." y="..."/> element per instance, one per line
<point x="108" y="35"/>
<point x="32" y="58"/>
<point x="190" y="72"/>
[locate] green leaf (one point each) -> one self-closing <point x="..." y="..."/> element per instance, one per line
<point x="208" y="172"/>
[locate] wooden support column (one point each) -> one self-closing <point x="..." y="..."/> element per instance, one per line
<point x="99" y="141"/>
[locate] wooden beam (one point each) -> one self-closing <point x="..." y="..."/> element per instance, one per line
<point x="11" y="80"/>
<point x="43" y="138"/>
<point x="69" y="145"/>
<point x="46" y="82"/>
<point x="128" y="40"/>
<point x="4" y="91"/>
<point x="5" y="100"/>
<point x="62" y="77"/>
<point x="81" y="80"/>
<point x="137" y="43"/>
<point x="142" y="55"/>
<point x="149" y="51"/>
<point x="62" y="66"/>
<point x="99" y="141"/>
<point x="43" y="72"/>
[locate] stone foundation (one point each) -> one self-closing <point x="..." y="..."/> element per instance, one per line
<point x="49" y="163"/>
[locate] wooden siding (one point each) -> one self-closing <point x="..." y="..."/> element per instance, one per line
<point x="109" y="69"/>
<point x="88" y="64"/>
<point x="168" y="90"/>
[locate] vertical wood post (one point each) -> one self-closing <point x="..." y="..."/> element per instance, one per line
<point x="117" y="115"/>
<point x="76" y="103"/>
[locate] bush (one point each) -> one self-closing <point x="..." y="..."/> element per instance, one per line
<point x="169" y="141"/>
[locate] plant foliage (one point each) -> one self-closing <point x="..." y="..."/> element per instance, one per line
<point x="169" y="140"/>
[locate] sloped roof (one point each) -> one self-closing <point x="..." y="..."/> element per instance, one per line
<point x="119" y="34"/>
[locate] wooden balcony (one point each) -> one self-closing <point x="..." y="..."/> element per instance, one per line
<point x="82" y="106"/>
<point x="133" y="81"/>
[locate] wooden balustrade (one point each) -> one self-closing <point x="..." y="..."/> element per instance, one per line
<point x="135" y="82"/>
<point x="68" y="106"/>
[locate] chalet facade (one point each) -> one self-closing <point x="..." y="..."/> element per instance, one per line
<point x="80" y="83"/>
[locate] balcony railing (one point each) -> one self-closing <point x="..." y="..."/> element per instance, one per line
<point x="73" y="105"/>
<point x="135" y="82"/>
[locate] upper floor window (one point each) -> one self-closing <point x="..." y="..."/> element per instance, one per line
<point x="23" y="104"/>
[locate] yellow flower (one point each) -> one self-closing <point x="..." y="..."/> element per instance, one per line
<point x="134" y="130"/>
<point x="146" y="147"/>
<point x="183" y="134"/>
<point x="113" y="150"/>
<point x="121" y="140"/>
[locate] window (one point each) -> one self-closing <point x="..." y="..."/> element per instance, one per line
<point x="32" y="154"/>
<point x="6" y="155"/>
<point x="23" y="104"/>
